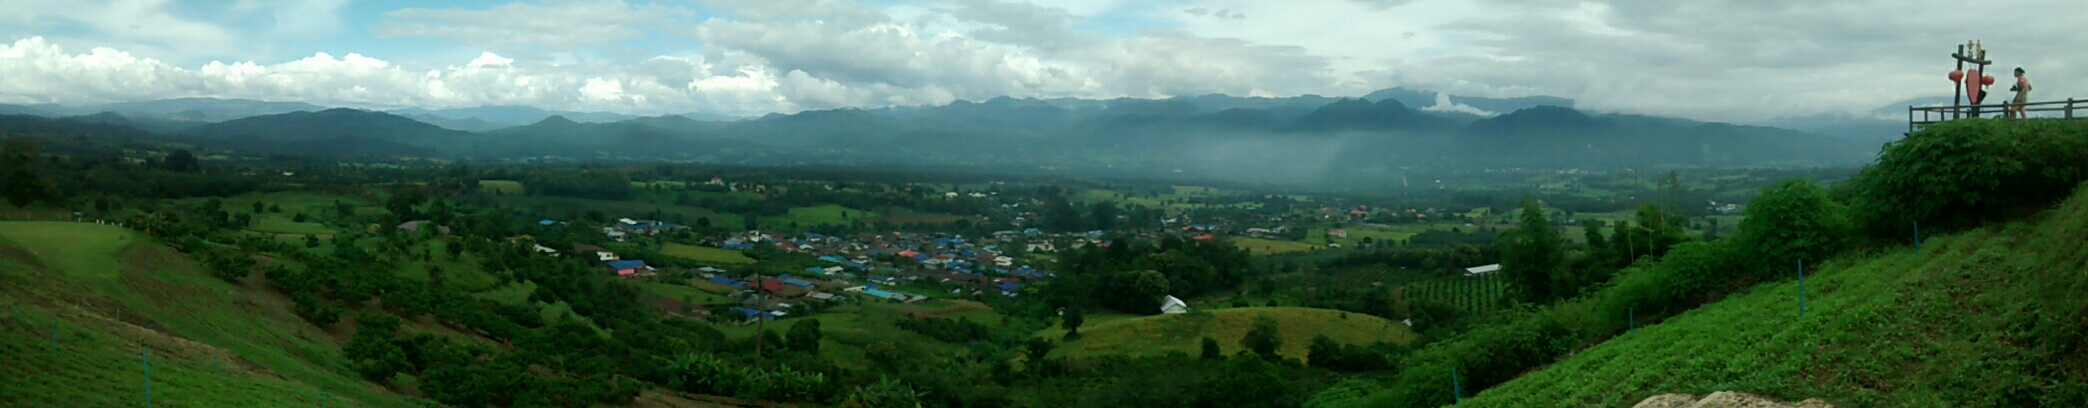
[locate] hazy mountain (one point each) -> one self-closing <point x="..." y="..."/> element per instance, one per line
<point x="336" y="132"/>
<point x="33" y="110"/>
<point x="507" y="116"/>
<point x="162" y="126"/>
<point x="466" y="124"/>
<point x="202" y="109"/>
<point x="1361" y="115"/>
<point x="671" y="136"/>
<point x="1422" y="99"/>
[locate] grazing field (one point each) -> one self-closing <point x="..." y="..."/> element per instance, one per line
<point x="501" y="187"/>
<point x="1480" y="294"/>
<point x="1153" y="335"/>
<point x="824" y="215"/>
<point x="113" y="295"/>
<point x="705" y="254"/>
<point x="1260" y="246"/>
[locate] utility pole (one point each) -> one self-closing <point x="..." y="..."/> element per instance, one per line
<point x="760" y="315"/>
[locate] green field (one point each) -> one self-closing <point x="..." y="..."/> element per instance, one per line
<point x="847" y="329"/>
<point x="283" y="224"/>
<point x="113" y="295"/>
<point x="1154" y="335"/>
<point x="1950" y="327"/>
<point x="562" y="208"/>
<point x="705" y="254"/>
<point x="679" y="292"/>
<point x="501" y="187"/>
<point x="823" y="215"/>
<point x="1260" y="246"/>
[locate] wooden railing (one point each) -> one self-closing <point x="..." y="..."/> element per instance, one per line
<point x="1918" y="116"/>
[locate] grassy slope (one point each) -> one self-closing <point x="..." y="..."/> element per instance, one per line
<point x="112" y="294"/>
<point x="705" y="254"/>
<point x="847" y="329"/>
<point x="1892" y="329"/>
<point x="1185" y="332"/>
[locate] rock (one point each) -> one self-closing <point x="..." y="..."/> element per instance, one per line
<point x="1725" y="399"/>
<point x="1667" y="401"/>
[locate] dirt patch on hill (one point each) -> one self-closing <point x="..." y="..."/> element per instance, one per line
<point x="20" y="255"/>
<point x="1725" y="399"/>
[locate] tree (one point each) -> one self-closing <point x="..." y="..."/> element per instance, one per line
<point x="181" y="161"/>
<point x="1530" y="256"/>
<point x="455" y="248"/>
<point x="1073" y="319"/>
<point x="1265" y="338"/>
<point x="19" y="161"/>
<point x="804" y="337"/>
<point x="1324" y="352"/>
<point x="311" y="241"/>
<point x="1104" y="214"/>
<point x="884" y="356"/>
<point x="1244" y="383"/>
<point x="440" y="212"/>
<point x="258" y="207"/>
<point x="402" y="202"/>
<point x="1210" y="349"/>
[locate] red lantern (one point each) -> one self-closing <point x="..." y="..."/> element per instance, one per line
<point x="1957" y="75"/>
<point x="1986" y="80"/>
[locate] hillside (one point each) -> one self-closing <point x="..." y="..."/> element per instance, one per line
<point x="112" y="293"/>
<point x="1152" y="335"/>
<point x="1955" y="325"/>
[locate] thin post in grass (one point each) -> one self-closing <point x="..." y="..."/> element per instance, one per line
<point x="1455" y="388"/>
<point x="1801" y="288"/>
<point x="1917" y="238"/>
<point x="1632" y="312"/>
<point x="54" y="338"/>
<point x="145" y="356"/>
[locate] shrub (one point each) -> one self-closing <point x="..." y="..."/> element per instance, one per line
<point x="1792" y="220"/>
<point x="1958" y="173"/>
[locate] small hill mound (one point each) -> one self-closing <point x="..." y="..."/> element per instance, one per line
<point x="1153" y="335"/>
<point x="1987" y="317"/>
<point x="111" y="294"/>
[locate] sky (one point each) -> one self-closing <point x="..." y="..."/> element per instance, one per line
<point x="1723" y="60"/>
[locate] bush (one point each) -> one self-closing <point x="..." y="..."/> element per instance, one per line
<point x="1680" y="281"/>
<point x="1791" y="220"/>
<point x="1959" y="173"/>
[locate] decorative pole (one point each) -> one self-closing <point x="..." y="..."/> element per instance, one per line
<point x="145" y="355"/>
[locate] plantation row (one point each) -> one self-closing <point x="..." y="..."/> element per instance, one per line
<point x="1479" y="294"/>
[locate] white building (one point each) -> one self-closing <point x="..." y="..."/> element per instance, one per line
<point x="1482" y="270"/>
<point x="1173" y="305"/>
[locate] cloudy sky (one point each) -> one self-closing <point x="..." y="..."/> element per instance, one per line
<point x="1732" y="60"/>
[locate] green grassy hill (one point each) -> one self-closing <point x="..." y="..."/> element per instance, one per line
<point x="1153" y="335"/>
<point x="1954" y="326"/>
<point x="113" y="294"/>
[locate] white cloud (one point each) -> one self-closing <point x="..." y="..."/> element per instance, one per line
<point x="41" y="72"/>
<point x="1444" y="104"/>
<point x="521" y="27"/>
<point x="1713" y="59"/>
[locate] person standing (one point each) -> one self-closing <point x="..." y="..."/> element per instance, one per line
<point x="2016" y="108"/>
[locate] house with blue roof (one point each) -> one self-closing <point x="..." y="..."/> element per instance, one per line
<point x="546" y="222"/>
<point x="1009" y="286"/>
<point x="834" y="259"/>
<point x="627" y="267"/>
<point x="727" y="281"/>
<point x="750" y="313"/>
<point x="797" y="283"/>
<point x="813" y="235"/>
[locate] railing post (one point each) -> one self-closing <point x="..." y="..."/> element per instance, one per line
<point x="2069" y="108"/>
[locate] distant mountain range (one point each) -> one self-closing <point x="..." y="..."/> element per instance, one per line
<point x="1312" y="138"/>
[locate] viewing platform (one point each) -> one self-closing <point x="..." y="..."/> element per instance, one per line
<point x="1918" y="116"/>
